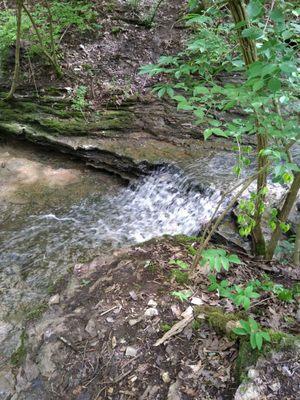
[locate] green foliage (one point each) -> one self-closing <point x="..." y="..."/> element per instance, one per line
<point x="252" y="329"/>
<point x="240" y="296"/>
<point x="218" y="259"/>
<point x="182" y="295"/>
<point x="283" y="293"/>
<point x="79" y="101"/>
<point x="266" y="94"/>
<point x="180" y="277"/>
<point x="65" y="14"/>
<point x="165" y="327"/>
<point x="180" y="274"/>
<point x="181" y="264"/>
<point x="243" y="296"/>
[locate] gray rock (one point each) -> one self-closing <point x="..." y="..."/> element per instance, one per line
<point x="30" y="369"/>
<point x="248" y="392"/>
<point x="91" y="328"/>
<point x="45" y="364"/>
<point x="131" y="351"/>
<point x="174" y="392"/>
<point x="152" y="303"/>
<point x="5" y="328"/>
<point x="7" y="383"/>
<point x="54" y="300"/>
<point x="151" y="312"/>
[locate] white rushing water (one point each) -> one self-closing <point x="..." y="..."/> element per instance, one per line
<point x="166" y="202"/>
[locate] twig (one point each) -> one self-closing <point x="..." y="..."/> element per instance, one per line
<point x="107" y="311"/>
<point x="268" y="18"/>
<point x="68" y="343"/>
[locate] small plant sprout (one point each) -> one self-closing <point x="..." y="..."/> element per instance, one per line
<point x="243" y="296"/>
<point x="181" y="264"/>
<point x="182" y="295"/>
<point x="252" y="329"/>
<point x="218" y="259"/>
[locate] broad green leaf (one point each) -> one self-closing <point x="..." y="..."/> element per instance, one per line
<point x="252" y="33"/>
<point x="274" y="84"/>
<point x="239" y="331"/>
<point x="277" y="15"/>
<point x="199" y="113"/>
<point x="254" y="8"/>
<point x="225" y="263"/>
<point x="266" y="336"/>
<point x="259" y="340"/>
<point x="288" y="67"/>
<point x="233" y="258"/>
<point x="253" y="341"/>
<point x="200" y="90"/>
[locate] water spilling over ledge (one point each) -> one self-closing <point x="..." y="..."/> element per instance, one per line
<point x="166" y="202"/>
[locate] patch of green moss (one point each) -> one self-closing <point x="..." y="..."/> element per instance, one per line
<point x="181" y="277"/>
<point x="217" y="319"/>
<point x="196" y="325"/>
<point x="186" y="240"/>
<point x="19" y="354"/>
<point x="35" y="312"/>
<point x="248" y="356"/>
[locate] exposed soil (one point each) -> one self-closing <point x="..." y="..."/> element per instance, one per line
<point x="106" y="60"/>
<point x="97" y="340"/>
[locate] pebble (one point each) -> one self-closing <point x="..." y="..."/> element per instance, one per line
<point x="151" y="312"/>
<point x="54" y="300"/>
<point x="91" y="328"/>
<point x="253" y="373"/>
<point x="133" y="322"/>
<point x="133" y="295"/>
<point x="152" y="303"/>
<point x="131" y="351"/>
<point x="165" y="377"/>
<point x="196" y="301"/>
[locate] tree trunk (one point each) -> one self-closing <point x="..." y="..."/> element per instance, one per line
<point x="248" y="48"/>
<point x="15" y="79"/>
<point x="283" y="214"/>
<point x="297" y="247"/>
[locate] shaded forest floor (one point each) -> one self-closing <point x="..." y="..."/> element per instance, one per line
<point x="97" y="338"/>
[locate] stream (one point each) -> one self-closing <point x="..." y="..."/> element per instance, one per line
<point x="56" y="212"/>
<point x="39" y="243"/>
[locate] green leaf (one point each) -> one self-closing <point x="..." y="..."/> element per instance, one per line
<point x="233" y="258"/>
<point x="252" y="341"/>
<point x="225" y="263"/>
<point x="277" y="15"/>
<point x="259" y="340"/>
<point x="266" y="336"/>
<point x="246" y="303"/>
<point x="274" y="84"/>
<point x="200" y="90"/>
<point x="199" y="113"/>
<point x="254" y="8"/>
<point x="245" y="325"/>
<point x="288" y="67"/>
<point x="258" y="84"/>
<point x="239" y="331"/>
<point x="252" y="33"/>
